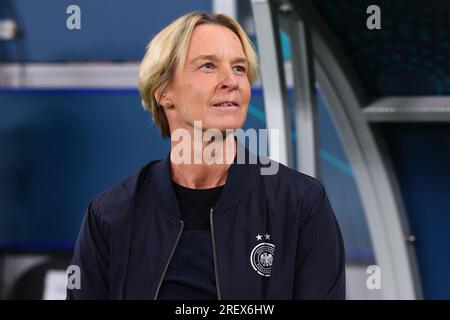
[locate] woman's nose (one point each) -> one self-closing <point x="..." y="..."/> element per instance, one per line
<point x="229" y="81"/>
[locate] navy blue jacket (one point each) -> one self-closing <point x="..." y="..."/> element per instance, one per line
<point x="274" y="237"/>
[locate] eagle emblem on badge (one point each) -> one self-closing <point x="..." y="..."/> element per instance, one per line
<point x="261" y="257"/>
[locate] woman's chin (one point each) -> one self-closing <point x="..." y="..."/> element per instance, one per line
<point x="224" y="126"/>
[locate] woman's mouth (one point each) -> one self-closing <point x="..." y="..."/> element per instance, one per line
<point x="227" y="105"/>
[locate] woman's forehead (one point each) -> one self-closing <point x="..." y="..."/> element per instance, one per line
<point x="214" y="38"/>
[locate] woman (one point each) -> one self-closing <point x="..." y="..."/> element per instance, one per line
<point x="195" y="227"/>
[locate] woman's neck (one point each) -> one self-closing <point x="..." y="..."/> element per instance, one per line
<point x="207" y="165"/>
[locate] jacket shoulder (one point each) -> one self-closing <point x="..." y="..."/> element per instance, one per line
<point x="296" y="178"/>
<point x="121" y="193"/>
<point x="302" y="190"/>
<point x="286" y="177"/>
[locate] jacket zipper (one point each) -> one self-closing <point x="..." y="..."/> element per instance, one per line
<point x="168" y="261"/>
<point x="216" y="271"/>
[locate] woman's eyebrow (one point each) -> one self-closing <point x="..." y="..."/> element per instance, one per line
<point x="213" y="57"/>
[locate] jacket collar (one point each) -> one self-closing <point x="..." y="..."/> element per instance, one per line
<point x="238" y="181"/>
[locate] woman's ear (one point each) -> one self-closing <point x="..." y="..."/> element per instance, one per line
<point x="163" y="99"/>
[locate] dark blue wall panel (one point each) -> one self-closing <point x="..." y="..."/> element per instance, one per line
<point x="421" y="157"/>
<point x="110" y="30"/>
<point x="59" y="149"/>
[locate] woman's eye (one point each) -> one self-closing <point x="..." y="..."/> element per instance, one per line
<point x="208" y="66"/>
<point x="240" y="68"/>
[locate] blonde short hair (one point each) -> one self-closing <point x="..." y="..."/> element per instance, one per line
<point x="168" y="50"/>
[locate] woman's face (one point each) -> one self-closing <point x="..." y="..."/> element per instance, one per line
<point x="213" y="86"/>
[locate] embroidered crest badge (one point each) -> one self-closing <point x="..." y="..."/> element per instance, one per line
<point x="261" y="257"/>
